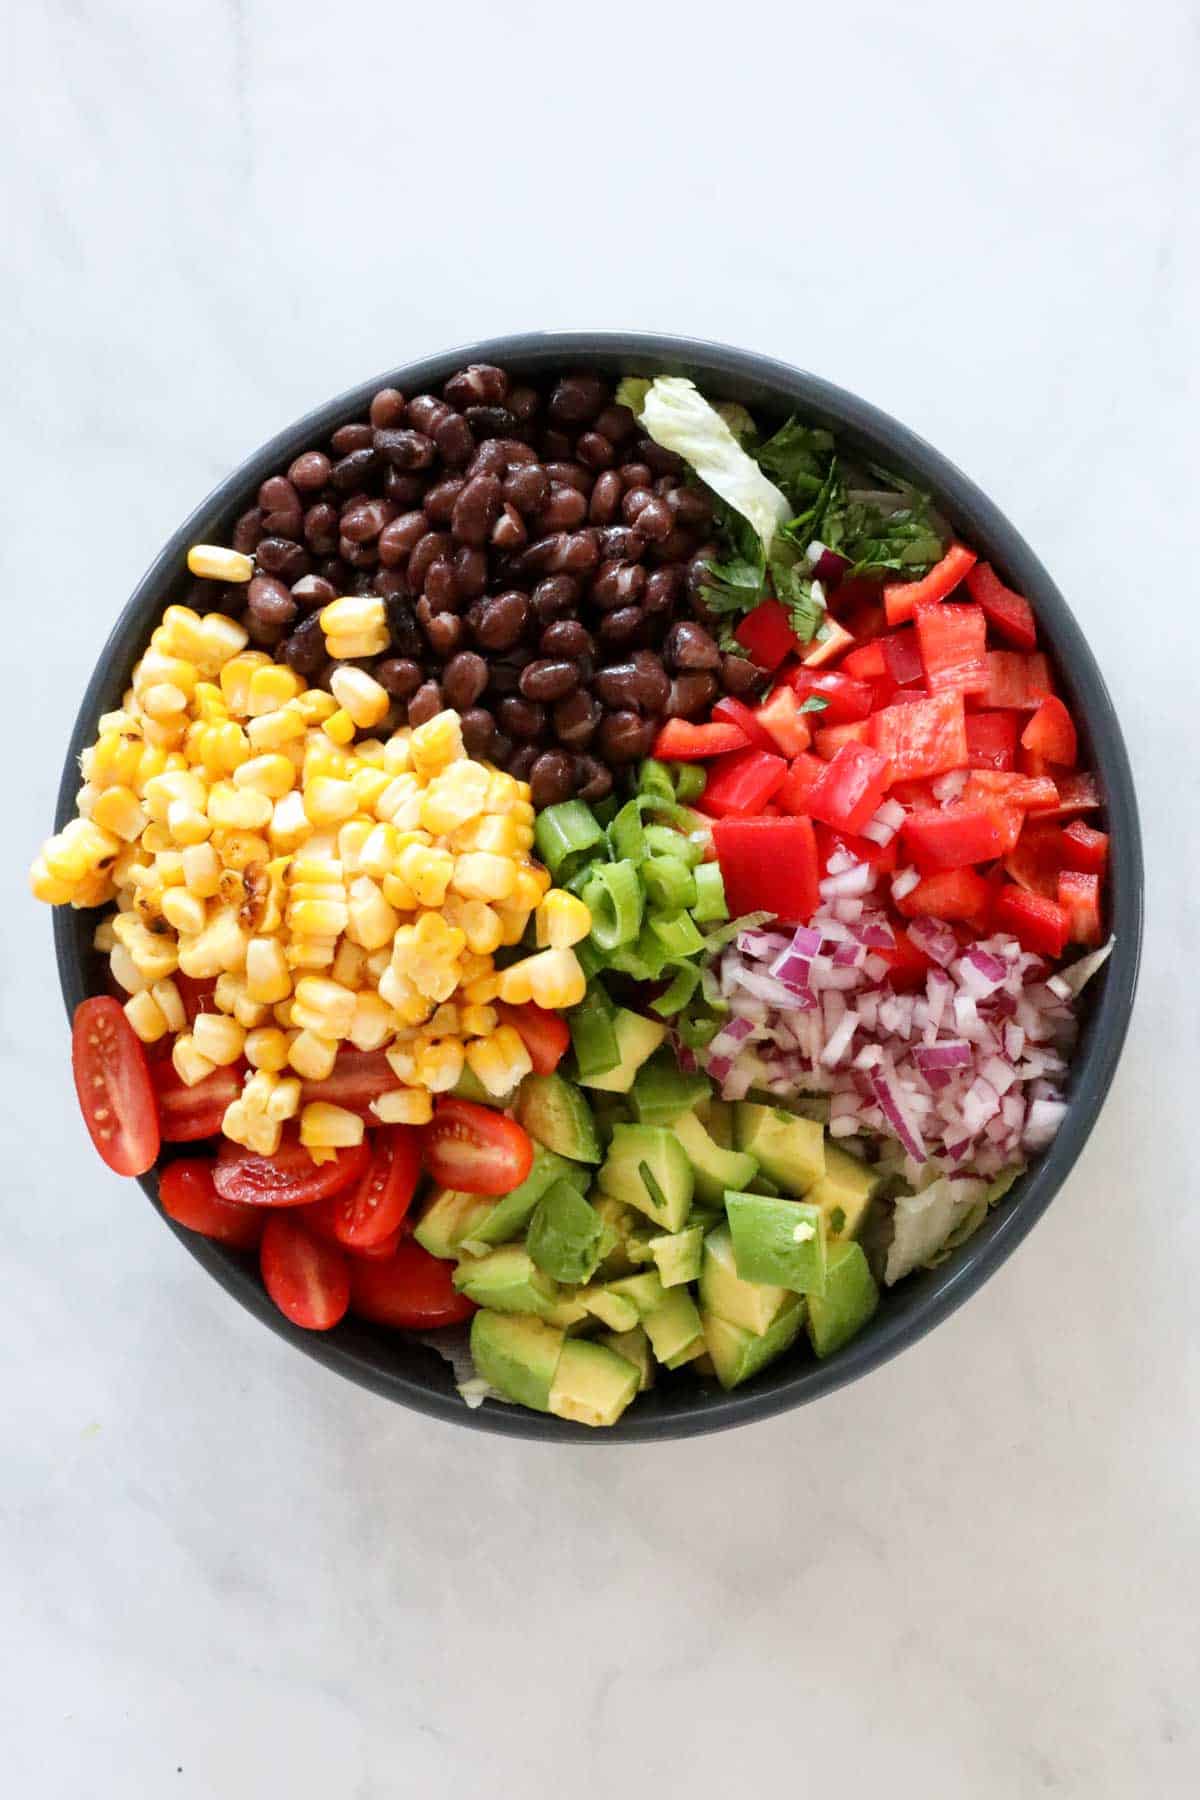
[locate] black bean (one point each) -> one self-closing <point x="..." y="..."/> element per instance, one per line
<point x="426" y="412"/>
<point x="690" y="508"/>
<point x="635" y="475"/>
<point x="691" y="695"/>
<point x="304" y="649"/>
<point x="479" y="384"/>
<point x="523" y="403"/>
<point x="624" y="737"/>
<point x="521" y="719"/>
<point x="689" y="646"/>
<point x="349" y="438"/>
<point x="618" y="584"/>
<point x="659" y="460"/>
<point x="313" y="590"/>
<point x="621" y="627"/>
<point x="400" y="675"/>
<point x="400" y="536"/>
<point x="359" y="556"/>
<point x="476" y="509"/>
<point x="388" y="409"/>
<point x="406" y="450"/>
<point x="471" y="571"/>
<point x="616" y="423"/>
<point x="621" y="543"/>
<point x="363" y="520"/>
<point x="577" y="399"/>
<point x="521" y="761"/>
<point x="501" y="620"/>
<point x="594" y="781"/>
<point x="464" y="679"/>
<point x="595" y="450"/>
<point x="282" y="508"/>
<point x="504" y="676"/>
<point x="445" y="632"/>
<point x="321" y="528"/>
<point x="509" y="533"/>
<point x="555" y="598"/>
<point x="406" y="638"/>
<point x="566" y="638"/>
<point x="615" y="685"/>
<point x="248" y="530"/>
<point x="527" y="487"/>
<point x="441" y="586"/>
<point x="455" y="441"/>
<point x="662" y="590"/>
<point x="405" y="490"/>
<point x="426" y="550"/>
<point x="425" y="703"/>
<point x="389" y="583"/>
<point x="478" y="730"/>
<point x="491" y="458"/>
<point x="740" y="676"/>
<point x="310" y="472"/>
<point x="269" y="603"/>
<point x="279" y="556"/>
<point x="635" y="499"/>
<point x="570" y="474"/>
<point x="605" y="502"/>
<point x="552" y="778"/>
<point x="548" y="678"/>
<point x="440" y="498"/>
<point x="490" y="421"/>
<point x="576" y="718"/>
<point x="654" y="684"/>
<point x="555" y="445"/>
<point x="654" y="520"/>
<point x="358" y="470"/>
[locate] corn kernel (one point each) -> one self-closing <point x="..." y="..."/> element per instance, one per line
<point x="187" y="1061"/>
<point x="369" y="783"/>
<point x="268" y="978"/>
<point x="361" y="696"/>
<point x="513" y="920"/>
<point x="238" y="809"/>
<point x="325" y="1127"/>
<point x="312" y="1056"/>
<point x="146" y="1017"/>
<point x="290" y="824"/>
<point x="216" y="563"/>
<point x="230" y="996"/>
<point x="403" y="1106"/>
<point x="221" y="945"/>
<point x="500" y="1061"/>
<point x="437" y="742"/>
<point x="499" y="834"/>
<point x="349" y="965"/>
<point x="118" y="809"/>
<point x="239" y="851"/>
<point x="183" y="910"/>
<point x="481" y="876"/>
<point x="55" y="890"/>
<point x="561" y="920"/>
<point x="482" y="991"/>
<point x="104" y="937"/>
<point x="270" y="774"/>
<point x="479" y="1021"/>
<point x="218" y="1038"/>
<point x="201" y="870"/>
<point x="328" y="801"/>
<point x="455" y="796"/>
<point x="221" y="639"/>
<point x="410" y="1007"/>
<point x="266" y="1048"/>
<point x="481" y="927"/>
<point x="530" y="884"/>
<point x="556" y="979"/>
<point x="439" y="1066"/>
<point x="125" y="972"/>
<point x="316" y="919"/>
<point x="373" y="1022"/>
<point x="270" y="688"/>
<point x="397" y="755"/>
<point x="252" y="1129"/>
<point x="323" y="1006"/>
<point x="339" y="727"/>
<point x="316" y="705"/>
<point x="187" y="824"/>
<point x="353" y="613"/>
<point x="515" y="986"/>
<point x="170" y="1003"/>
<point x="270" y="731"/>
<point x="444" y="1022"/>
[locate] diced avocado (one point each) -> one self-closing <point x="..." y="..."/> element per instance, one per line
<point x="617" y="1311"/>
<point x="646" y="1290"/>
<point x="677" y="1255"/>
<point x="723" y="1292"/>
<point x="507" y="1217"/>
<point x="608" y="1110"/>
<point x="449" y="1216"/>
<point x="592" y="1384"/>
<point x="674" y="1329"/>
<point x="648" y="1168"/>
<point x="780" y="1241"/>
<point x="555" y="1113"/>
<point x="737" y="1354"/>
<point x="517" y="1356"/>
<point x="714" y="1168"/>
<point x="849" y="1300"/>
<point x="508" y="1280"/>
<point x="788" y="1149"/>
<point x="843" y="1193"/>
<point x="637" y="1039"/>
<point x="634" y="1346"/>
<point x="469" y="1087"/>
<point x="762" y="1184"/>
<point x="568" y="1312"/>
<point x="716" y="1116"/>
<point x="661" y="1090"/>
<point x="564" y="1234"/>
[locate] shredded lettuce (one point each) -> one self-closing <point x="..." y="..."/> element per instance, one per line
<point x="632" y="391"/>
<point x="924" y="1222"/>
<point x="677" y="416"/>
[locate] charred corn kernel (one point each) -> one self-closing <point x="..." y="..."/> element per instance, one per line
<point x="268" y="977"/>
<point x="146" y="1016"/>
<point x="323" y="1006"/>
<point x="155" y="954"/>
<point x="328" y="801"/>
<point x="187" y="824"/>
<point x="104" y="937"/>
<point x="555" y="979"/>
<point x="373" y="1022"/>
<point x="349" y="965"/>
<point x="400" y="802"/>
<point x="361" y="696"/>
<point x="500" y="1061"/>
<point x="315" y="705"/>
<point x="238" y="809"/>
<point x="482" y="991"/>
<point x="481" y="876"/>
<point x="125" y="972"/>
<point x="241" y="850"/>
<point x="55" y="890"/>
<point x="79" y="848"/>
<point x="216" y="563"/>
<point x="170" y="1003"/>
<point x="183" y="910"/>
<point x="435" y="743"/>
<point x="455" y="796"/>
<point x="270" y="774"/>
<point x="231" y="888"/>
<point x="353" y="613"/>
<point x="513" y="920"/>
<point x="325" y="1127"/>
<point x="118" y="809"/>
<point x="290" y="824"/>
<point x="404" y="1106"/>
<point x="266" y="1048"/>
<point x="401" y="994"/>
<point x="397" y="753"/>
<point x="368" y="783"/>
<point x="372" y="920"/>
<point x="272" y="730"/>
<point x="397" y="893"/>
<point x="481" y="927"/>
<point x="253" y="1129"/>
<point x="147" y="906"/>
<point x="221" y="945"/>
<point x="439" y="1066"/>
<point x="311" y="1055"/>
<point x="339" y="727"/>
<point x="561" y="920"/>
<point x="270" y="688"/>
<point x="427" y="872"/>
<point x="479" y="1021"/>
<point x="187" y="1061"/>
<point x="218" y="1038"/>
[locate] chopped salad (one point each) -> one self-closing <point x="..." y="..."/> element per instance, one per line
<point x="587" y="870"/>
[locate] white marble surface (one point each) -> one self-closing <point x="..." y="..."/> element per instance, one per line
<point x="226" y="1572"/>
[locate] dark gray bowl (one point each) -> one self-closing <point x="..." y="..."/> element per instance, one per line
<point x="681" y="1407"/>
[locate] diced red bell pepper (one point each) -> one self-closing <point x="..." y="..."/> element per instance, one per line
<point x="913" y="794"/>
<point x="907" y="966"/>
<point x="1051" y="734"/>
<point x="786" y="728"/>
<point x="731" y="711"/>
<point x="866" y="663"/>
<point x="1037" y="923"/>
<point x="956" y="895"/>
<point x="953" y="644"/>
<point x="681" y="741"/>
<point x="1008" y="818"/>
<point x="1085" y="849"/>
<point x="925" y="738"/>
<point x="1007" y="613"/>
<point x="882" y="857"/>
<point x="1026" y="791"/>
<point x="1077" y="791"/>
<point x="992" y="740"/>
<point x="851" y="788"/>
<point x="828" y="739"/>
<point x="831" y="641"/>
<point x="766" y="635"/>
<point x="1036" y="860"/>
<point x="1079" y="897"/>
<point x="743" y="782"/>
<point x="768" y="865"/>
<point x="804" y="771"/>
<point x="846" y="699"/>
<point x="902" y="654"/>
<point x="860" y="609"/>
<point x="950" y="837"/>
<point x="902" y="598"/>
<point x="1015" y="680"/>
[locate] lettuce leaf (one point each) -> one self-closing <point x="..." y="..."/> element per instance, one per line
<point x="677" y="416"/>
<point x="924" y="1222"/>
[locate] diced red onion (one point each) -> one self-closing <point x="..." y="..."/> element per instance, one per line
<point x="893" y="1111"/>
<point x="936" y="940"/>
<point x="1042" y="1122"/>
<point x="903" y="882"/>
<point x="849" y="883"/>
<point x="949" y="787"/>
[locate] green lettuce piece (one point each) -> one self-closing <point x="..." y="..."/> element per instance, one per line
<point x="677" y="416"/>
<point x="632" y="391"/>
<point x="923" y="1223"/>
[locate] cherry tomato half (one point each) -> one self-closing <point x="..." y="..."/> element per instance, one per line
<point x="112" y="1080"/>
<point x="545" y="1035"/>
<point x="289" y="1178"/>
<point x="321" y="1219"/>
<point x="187" y="1113"/>
<point x="371" y="1211"/>
<point x="475" y="1150"/>
<point x="308" y="1280"/>
<point x="359" y="1076"/>
<point x="186" y="1194"/>
<point x="411" y="1291"/>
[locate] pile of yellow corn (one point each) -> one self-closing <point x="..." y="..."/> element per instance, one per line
<point x="336" y="891"/>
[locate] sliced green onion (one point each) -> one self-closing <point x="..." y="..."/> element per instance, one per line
<point x="684" y="983"/>
<point x="664" y="840"/>
<point x="626" y="834"/>
<point x="676" y="933"/>
<point x="606" y="810"/>
<point x="613" y="896"/>
<point x="593" y="1037"/>
<point x="655" y="778"/>
<point x="564" y="835"/>
<point x="697" y="1029"/>
<point x="691" y="779"/>
<point x="724" y="934"/>
<point x="710" y="904"/>
<point x="668" y="882"/>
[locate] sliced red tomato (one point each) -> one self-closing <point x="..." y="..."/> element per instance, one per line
<point x="1007" y="613"/>
<point x="846" y="699"/>
<point x="831" y="642"/>
<point x="308" y="1279"/>
<point x="681" y="741"/>
<point x="950" y="837"/>
<point x="357" y="1078"/>
<point x="803" y="773"/>
<point x="545" y="1035"/>
<point x="1051" y="734"/>
<point x="290" y="1177"/>
<point x="902" y="598"/>
<point x="475" y="1150"/>
<point x="732" y="711"/>
<point x="1016" y="681"/>
<point x="953" y="643"/>
<point x="923" y="739"/>
<point x="992" y="740"/>
<point x="829" y="739"/>
<point x="187" y="1194"/>
<point x="786" y="725"/>
<point x="186" y="1114"/>
<point x="743" y="782"/>
<point x="766" y="635"/>
<point x="1085" y="848"/>
<point x="768" y="865"/>
<point x="850" y="790"/>
<point x="112" y="1082"/>
<point x="371" y="1210"/>
<point x="411" y="1291"/>
<point x="955" y="895"/>
<point x="197" y="996"/>
<point x="1079" y="898"/>
<point x="1036" y="860"/>
<point x="902" y="657"/>
<point x="1037" y="923"/>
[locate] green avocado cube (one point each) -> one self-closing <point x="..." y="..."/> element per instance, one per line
<point x="564" y="1234"/>
<point x="662" y="1091"/>
<point x="507" y="1280"/>
<point x="677" y="1255"/>
<point x="674" y="1329"/>
<point x="723" y="1292"/>
<point x="843" y="1193"/>
<point x="849" y="1300"/>
<point x="647" y="1167"/>
<point x="737" y="1354"/>
<point x="507" y="1217"/>
<point x="778" y="1241"/>
<point x="634" y="1346"/>
<point x="789" y="1150"/>
<point x="646" y="1290"/>
<point x="713" y="1167"/>
<point x="637" y="1040"/>
<point x="617" y="1311"/>
<point x="592" y="1384"/>
<point x="448" y="1217"/>
<point x="555" y="1113"/>
<point x="517" y="1356"/>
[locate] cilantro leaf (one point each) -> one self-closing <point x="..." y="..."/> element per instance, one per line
<point x="798" y="457"/>
<point x="814" y="703"/>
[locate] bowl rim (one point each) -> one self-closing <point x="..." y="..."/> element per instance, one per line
<point x="766" y="381"/>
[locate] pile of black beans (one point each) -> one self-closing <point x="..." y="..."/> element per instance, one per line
<point x="541" y="563"/>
